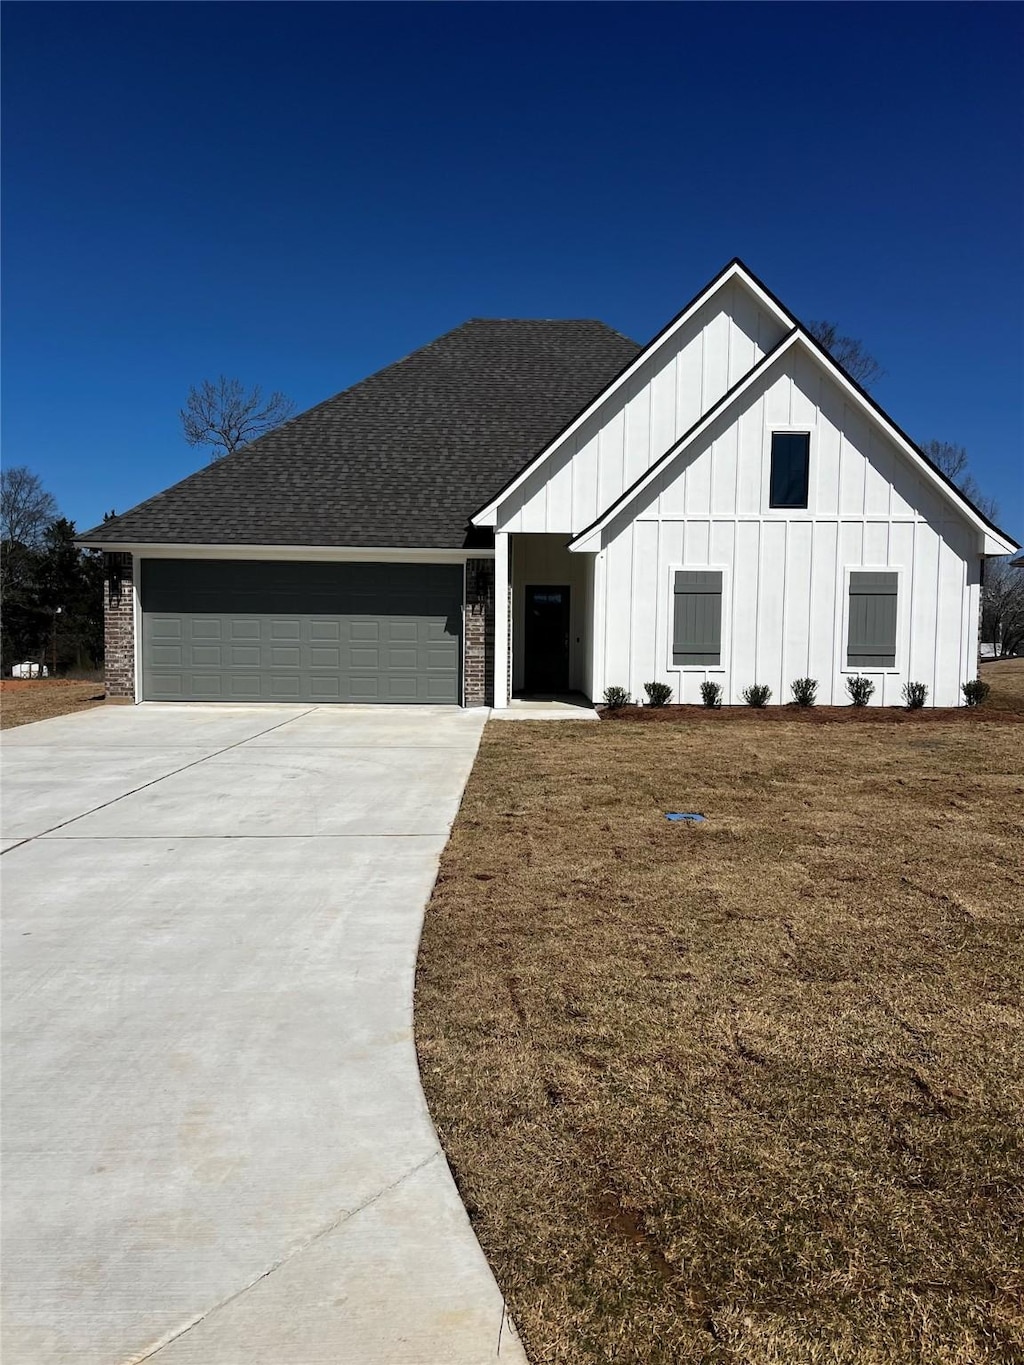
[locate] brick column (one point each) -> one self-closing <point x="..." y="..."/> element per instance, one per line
<point x="478" y="679"/>
<point x="119" y="625"/>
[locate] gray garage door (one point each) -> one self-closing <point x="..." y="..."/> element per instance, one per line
<point x="216" y="630"/>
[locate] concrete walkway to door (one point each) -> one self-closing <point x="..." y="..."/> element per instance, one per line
<point x="217" y="1149"/>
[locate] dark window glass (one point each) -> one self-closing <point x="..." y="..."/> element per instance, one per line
<point x="791" y="458"/>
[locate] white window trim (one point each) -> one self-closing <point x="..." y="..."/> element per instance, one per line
<point x="808" y="429"/>
<point x="724" y="570"/>
<point x="899" y="666"/>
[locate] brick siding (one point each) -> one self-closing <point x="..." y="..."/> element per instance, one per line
<point x="119" y="628"/>
<point x="478" y="680"/>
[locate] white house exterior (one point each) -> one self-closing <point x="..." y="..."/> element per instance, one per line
<point x="683" y="561"/>
<point x="542" y="506"/>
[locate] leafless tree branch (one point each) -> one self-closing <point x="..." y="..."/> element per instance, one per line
<point x="224" y="416"/>
<point x="26" y="508"/>
<point x="952" y="460"/>
<point x="848" y="352"/>
<point x="1002" y="607"/>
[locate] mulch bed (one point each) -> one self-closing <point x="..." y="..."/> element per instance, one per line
<point x="811" y="715"/>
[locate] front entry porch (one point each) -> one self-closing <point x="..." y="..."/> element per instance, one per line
<point x="550" y="595"/>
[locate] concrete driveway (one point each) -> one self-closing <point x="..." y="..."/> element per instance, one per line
<point x="217" y="1149"/>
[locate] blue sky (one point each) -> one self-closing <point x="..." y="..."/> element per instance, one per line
<point x="297" y="194"/>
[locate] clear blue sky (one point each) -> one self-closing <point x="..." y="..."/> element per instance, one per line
<point x="297" y="194"/>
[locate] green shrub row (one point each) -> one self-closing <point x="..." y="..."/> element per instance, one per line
<point x="805" y="692"/>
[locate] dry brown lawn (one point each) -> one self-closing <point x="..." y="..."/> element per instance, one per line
<point x="1006" y="679"/>
<point x="29" y="699"/>
<point x="748" y="1091"/>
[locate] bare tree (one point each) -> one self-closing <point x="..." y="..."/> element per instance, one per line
<point x="952" y="460"/>
<point x="1002" y="607"/>
<point x="221" y="414"/>
<point x="26" y="508"/>
<point x="848" y="352"/>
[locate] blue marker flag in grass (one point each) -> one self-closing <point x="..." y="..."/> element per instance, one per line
<point x="683" y="815"/>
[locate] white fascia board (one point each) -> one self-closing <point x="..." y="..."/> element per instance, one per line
<point x="1001" y="544"/>
<point x="590" y="539"/>
<point x="488" y="516"/>
<point x="338" y="553"/>
<point x="998" y="545"/>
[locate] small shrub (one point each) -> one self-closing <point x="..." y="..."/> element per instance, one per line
<point x="915" y="694"/>
<point x="658" y="694"/>
<point x="804" y="690"/>
<point x="975" y="692"/>
<point x="615" y="698"/>
<point x="757" y="694"/>
<point x="711" y="695"/>
<point x="861" y="689"/>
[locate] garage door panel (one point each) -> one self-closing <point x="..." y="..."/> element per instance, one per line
<point x="255" y="631"/>
<point x="285" y="656"/>
<point x="364" y="688"/>
<point x="246" y="686"/>
<point x="170" y="655"/>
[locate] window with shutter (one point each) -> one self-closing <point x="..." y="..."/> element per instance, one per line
<point x="872" y="638"/>
<point x="697" y="617"/>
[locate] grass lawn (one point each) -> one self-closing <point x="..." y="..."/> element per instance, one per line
<point x="749" y="1091"/>
<point x="25" y="700"/>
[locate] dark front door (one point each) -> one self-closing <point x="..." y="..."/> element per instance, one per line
<point x="546" y="666"/>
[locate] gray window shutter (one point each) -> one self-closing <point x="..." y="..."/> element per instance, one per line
<point x="697" y="617"/>
<point x="872" y="642"/>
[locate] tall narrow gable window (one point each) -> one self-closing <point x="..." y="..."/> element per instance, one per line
<point x="697" y="617"/>
<point x="872" y="640"/>
<point x="791" y="462"/>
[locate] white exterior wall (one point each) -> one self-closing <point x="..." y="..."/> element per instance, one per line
<point x="670" y="391"/>
<point x="785" y="584"/>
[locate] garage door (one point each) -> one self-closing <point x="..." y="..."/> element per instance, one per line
<point x="217" y="630"/>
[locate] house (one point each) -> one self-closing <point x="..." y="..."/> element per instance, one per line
<point x="544" y="506"/>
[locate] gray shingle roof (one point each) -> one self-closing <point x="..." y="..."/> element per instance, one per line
<point x="401" y="459"/>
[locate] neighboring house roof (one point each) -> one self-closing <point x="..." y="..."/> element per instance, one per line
<point x="401" y="459"/>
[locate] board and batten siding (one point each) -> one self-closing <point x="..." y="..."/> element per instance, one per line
<point x="786" y="572"/>
<point x="670" y="391"/>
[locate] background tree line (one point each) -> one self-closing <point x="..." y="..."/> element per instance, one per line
<point x="51" y="592"/>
